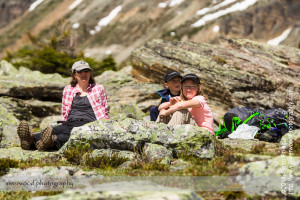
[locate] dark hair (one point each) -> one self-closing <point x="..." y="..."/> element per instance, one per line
<point x="74" y="81"/>
<point x="199" y="92"/>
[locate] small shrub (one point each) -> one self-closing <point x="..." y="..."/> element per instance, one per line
<point x="105" y="161"/>
<point x="56" y="56"/>
<point x="142" y="161"/>
<point x="258" y="149"/>
<point x="5" y="164"/>
<point x="75" y="153"/>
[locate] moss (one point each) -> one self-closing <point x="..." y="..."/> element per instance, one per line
<point x="6" y="164"/>
<point x="220" y="60"/>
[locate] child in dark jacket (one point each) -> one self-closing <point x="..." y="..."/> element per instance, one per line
<point x="172" y="83"/>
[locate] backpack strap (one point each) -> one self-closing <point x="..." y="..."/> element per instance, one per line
<point x="253" y="115"/>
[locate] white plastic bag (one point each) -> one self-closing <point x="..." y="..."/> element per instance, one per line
<point x="244" y="131"/>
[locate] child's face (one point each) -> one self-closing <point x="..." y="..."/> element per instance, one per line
<point x="174" y="85"/>
<point x="190" y="89"/>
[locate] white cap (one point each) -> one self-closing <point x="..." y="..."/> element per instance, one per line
<point x="80" y="65"/>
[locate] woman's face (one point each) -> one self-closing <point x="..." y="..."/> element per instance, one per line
<point x="83" y="76"/>
<point x="189" y="88"/>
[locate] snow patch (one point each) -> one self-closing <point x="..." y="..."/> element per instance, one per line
<point x="92" y="32"/>
<point x="236" y="7"/>
<point x="108" y="52"/>
<point x="175" y="2"/>
<point x="220" y="5"/>
<point x="170" y="3"/>
<point x="106" y="20"/>
<point x="162" y="5"/>
<point x="276" y="41"/>
<point x="34" y="5"/>
<point x="75" y="4"/>
<point x="216" y="29"/>
<point x="75" y="25"/>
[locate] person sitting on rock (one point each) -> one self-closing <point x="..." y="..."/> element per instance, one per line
<point x="190" y="108"/>
<point x="83" y="101"/>
<point x="172" y="83"/>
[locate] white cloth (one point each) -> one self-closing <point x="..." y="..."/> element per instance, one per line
<point x="244" y="131"/>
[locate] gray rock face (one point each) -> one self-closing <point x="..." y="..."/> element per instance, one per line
<point x="234" y="73"/>
<point x="130" y="134"/>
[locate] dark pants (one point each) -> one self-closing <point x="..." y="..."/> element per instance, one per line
<point x="63" y="132"/>
<point x="154" y="113"/>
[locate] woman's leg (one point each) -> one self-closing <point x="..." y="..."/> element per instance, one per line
<point x="182" y="117"/>
<point x="56" y="137"/>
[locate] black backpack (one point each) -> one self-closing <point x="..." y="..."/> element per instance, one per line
<point x="264" y="120"/>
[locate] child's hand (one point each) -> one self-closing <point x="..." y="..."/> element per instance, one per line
<point x="163" y="112"/>
<point x="175" y="100"/>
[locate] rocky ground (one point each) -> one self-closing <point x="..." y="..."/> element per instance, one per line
<point x="129" y="157"/>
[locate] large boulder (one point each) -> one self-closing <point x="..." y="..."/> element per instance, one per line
<point x="237" y="72"/>
<point x="24" y="83"/>
<point x="279" y="175"/>
<point x="124" y="94"/>
<point x="130" y="134"/>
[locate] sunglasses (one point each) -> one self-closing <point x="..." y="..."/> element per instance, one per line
<point x="83" y="70"/>
<point x="191" y="87"/>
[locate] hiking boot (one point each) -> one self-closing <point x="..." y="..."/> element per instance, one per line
<point x="47" y="139"/>
<point x="25" y="135"/>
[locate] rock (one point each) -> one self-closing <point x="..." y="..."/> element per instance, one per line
<point x="24" y="83"/>
<point x="178" y="165"/>
<point x="125" y="94"/>
<point x="124" y="190"/>
<point x="108" y="152"/>
<point x="253" y="157"/>
<point x="247" y="145"/>
<point x="118" y="111"/>
<point x="9" y="126"/>
<point x="289" y="138"/>
<point x="272" y="175"/>
<point x="50" y="121"/>
<point x="157" y="152"/>
<point x="231" y="73"/>
<point x="46" y="178"/>
<point x="16" y="153"/>
<point x="131" y="135"/>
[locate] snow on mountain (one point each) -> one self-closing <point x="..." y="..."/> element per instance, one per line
<point x="236" y="7"/>
<point x="34" y="5"/>
<point x="75" y="4"/>
<point x="276" y="41"/>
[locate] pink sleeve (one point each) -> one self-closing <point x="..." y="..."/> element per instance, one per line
<point x="64" y="105"/>
<point x="201" y="100"/>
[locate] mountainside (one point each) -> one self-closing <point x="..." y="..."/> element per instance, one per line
<point x="117" y="27"/>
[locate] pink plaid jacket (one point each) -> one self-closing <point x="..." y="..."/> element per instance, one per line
<point x="96" y="95"/>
